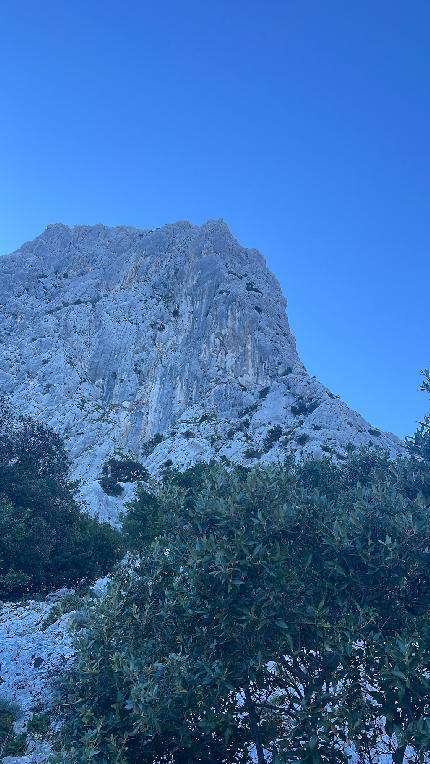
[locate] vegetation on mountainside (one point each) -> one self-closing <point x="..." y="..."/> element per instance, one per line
<point x="45" y="541"/>
<point x="123" y="469"/>
<point x="283" y="609"/>
<point x="11" y="744"/>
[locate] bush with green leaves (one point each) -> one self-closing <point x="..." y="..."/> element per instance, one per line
<point x="419" y="444"/>
<point x="11" y="744"/>
<point x="38" y="725"/>
<point x="45" y="540"/>
<point x="283" y="609"/>
<point x="123" y="469"/>
<point x="73" y="602"/>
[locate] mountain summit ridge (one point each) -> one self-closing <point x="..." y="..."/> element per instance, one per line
<point x="171" y="343"/>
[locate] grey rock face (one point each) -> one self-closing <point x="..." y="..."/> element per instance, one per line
<point x="31" y="656"/>
<point x="116" y="335"/>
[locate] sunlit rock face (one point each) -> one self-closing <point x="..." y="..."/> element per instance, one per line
<point x="116" y="335"/>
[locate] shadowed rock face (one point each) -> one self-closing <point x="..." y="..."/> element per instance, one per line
<point x="115" y="335"/>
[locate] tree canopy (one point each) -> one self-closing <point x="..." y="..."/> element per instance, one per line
<point x="282" y="610"/>
<point x="45" y="540"/>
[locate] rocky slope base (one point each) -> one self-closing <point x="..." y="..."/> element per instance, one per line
<point x="35" y="648"/>
<point x="172" y="344"/>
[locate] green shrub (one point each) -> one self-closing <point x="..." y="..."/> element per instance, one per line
<point x="141" y="522"/>
<point x="188" y="434"/>
<point x="250" y="286"/>
<point x="121" y="470"/>
<point x="419" y="443"/>
<point x="125" y="470"/>
<point x="263" y="393"/>
<point x="68" y="604"/>
<point x="38" y="725"/>
<point x="11" y="744"/>
<point x="14" y="745"/>
<point x="252" y="453"/>
<point x="272" y="437"/>
<point x="111" y="486"/>
<point x="374" y="431"/>
<point x="248" y="410"/>
<point x="303" y="407"/>
<point x="9" y="713"/>
<point x="302" y="439"/>
<point x="151" y="444"/>
<point x="207" y="417"/>
<point x="45" y="540"/>
<point x="327" y="449"/>
<point x="12" y="583"/>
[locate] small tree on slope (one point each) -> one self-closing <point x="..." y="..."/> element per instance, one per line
<point x="45" y="541"/>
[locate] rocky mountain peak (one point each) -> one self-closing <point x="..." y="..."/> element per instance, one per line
<point x="171" y="343"/>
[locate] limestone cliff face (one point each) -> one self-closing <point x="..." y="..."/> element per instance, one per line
<point x="117" y="335"/>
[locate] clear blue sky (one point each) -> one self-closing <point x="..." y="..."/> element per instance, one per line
<point x="305" y="124"/>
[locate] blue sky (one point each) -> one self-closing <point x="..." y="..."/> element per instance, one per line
<point x="304" y="124"/>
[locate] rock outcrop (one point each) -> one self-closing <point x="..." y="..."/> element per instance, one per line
<point x="171" y="343"/>
<point x="36" y="646"/>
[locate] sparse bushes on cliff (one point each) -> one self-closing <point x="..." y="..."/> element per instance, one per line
<point x="45" y="541"/>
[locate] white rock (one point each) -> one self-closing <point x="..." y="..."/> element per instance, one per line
<point x="31" y="656"/>
<point x="112" y="335"/>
